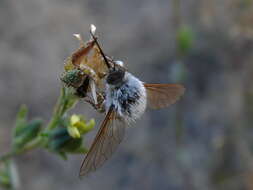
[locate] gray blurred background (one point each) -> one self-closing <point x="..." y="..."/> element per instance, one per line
<point x="203" y="142"/>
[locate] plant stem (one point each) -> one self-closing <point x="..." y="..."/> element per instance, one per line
<point x="65" y="101"/>
<point x="30" y="146"/>
<point x="57" y="109"/>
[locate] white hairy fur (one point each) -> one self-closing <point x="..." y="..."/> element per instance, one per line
<point x="130" y="85"/>
<point x="120" y="63"/>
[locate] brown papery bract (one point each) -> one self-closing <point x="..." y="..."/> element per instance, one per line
<point x="88" y="59"/>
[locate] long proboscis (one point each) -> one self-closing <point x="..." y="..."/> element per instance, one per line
<point x="101" y="51"/>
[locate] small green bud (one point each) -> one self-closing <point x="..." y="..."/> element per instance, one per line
<point x="73" y="145"/>
<point x="73" y="78"/>
<point x="57" y="138"/>
<point x="60" y="141"/>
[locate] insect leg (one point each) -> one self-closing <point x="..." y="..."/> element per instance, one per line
<point x="100" y="106"/>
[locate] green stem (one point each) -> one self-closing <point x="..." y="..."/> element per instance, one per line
<point x="57" y="111"/>
<point x="64" y="102"/>
<point x="30" y="146"/>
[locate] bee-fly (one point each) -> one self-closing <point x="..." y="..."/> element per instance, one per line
<point x="126" y="100"/>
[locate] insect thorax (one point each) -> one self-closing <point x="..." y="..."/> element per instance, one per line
<point x="129" y="99"/>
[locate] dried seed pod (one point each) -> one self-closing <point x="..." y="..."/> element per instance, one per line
<point x="85" y="68"/>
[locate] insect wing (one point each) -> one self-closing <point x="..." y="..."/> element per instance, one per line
<point x="163" y="95"/>
<point x="109" y="136"/>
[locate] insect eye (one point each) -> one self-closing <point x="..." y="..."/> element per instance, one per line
<point x="115" y="77"/>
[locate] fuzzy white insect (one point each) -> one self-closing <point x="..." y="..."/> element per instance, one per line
<point x="128" y="97"/>
<point x="126" y="100"/>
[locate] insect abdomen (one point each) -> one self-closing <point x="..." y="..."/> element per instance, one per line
<point x="130" y="97"/>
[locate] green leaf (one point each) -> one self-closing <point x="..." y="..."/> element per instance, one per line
<point x="60" y="141"/>
<point x="29" y="132"/>
<point x="20" y="121"/>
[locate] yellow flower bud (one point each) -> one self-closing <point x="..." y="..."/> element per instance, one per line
<point x="74" y="120"/>
<point x="73" y="132"/>
<point x="88" y="126"/>
<point x="79" y="126"/>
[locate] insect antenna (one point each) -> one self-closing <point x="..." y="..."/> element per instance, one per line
<point x="101" y="51"/>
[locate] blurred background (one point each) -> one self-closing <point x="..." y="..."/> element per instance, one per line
<point x="203" y="142"/>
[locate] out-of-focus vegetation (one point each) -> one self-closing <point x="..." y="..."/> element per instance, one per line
<point x="63" y="135"/>
<point x="203" y="142"/>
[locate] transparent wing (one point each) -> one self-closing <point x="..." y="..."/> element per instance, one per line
<point x="163" y="95"/>
<point x="109" y="136"/>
